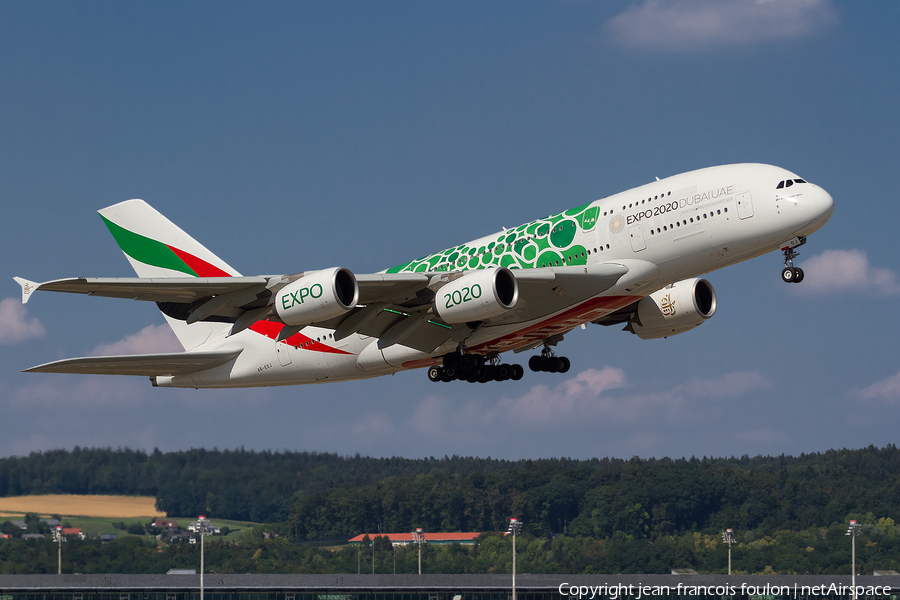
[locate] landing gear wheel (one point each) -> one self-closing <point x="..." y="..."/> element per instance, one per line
<point x="534" y="363"/>
<point x="517" y="372"/>
<point x="435" y="373"/>
<point x="502" y="373"/>
<point x="564" y="364"/>
<point x="792" y="274"/>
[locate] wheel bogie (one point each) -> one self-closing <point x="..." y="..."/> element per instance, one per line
<point x="475" y="369"/>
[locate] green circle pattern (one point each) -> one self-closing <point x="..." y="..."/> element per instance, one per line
<point x="545" y="242"/>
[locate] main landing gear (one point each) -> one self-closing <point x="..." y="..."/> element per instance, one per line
<point x="792" y="274"/>
<point x="548" y="362"/>
<point x="474" y="368"/>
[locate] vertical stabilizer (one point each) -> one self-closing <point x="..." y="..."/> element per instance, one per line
<point x="158" y="248"/>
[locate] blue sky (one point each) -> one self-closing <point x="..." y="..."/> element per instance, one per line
<point x="290" y="136"/>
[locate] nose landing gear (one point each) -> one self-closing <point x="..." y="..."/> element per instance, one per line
<point x="792" y="274"/>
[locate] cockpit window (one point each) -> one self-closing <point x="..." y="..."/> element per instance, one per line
<point x="788" y="183"/>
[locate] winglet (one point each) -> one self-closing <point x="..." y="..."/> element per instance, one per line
<point x="28" y="288"/>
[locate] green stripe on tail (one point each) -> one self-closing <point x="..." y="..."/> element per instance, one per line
<point x="146" y="250"/>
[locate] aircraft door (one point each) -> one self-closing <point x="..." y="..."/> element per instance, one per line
<point x="744" y="205"/>
<point x="636" y="233"/>
<point x="283" y="352"/>
<point x="589" y="218"/>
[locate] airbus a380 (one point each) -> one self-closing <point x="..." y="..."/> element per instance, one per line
<point x="633" y="258"/>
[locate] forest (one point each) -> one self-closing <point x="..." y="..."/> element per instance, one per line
<point x="599" y="515"/>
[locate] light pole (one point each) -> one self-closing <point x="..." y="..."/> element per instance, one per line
<point x="59" y="540"/>
<point x="728" y="538"/>
<point x="515" y="526"/>
<point x="419" y="537"/>
<point x="853" y="531"/>
<point x="202" y="529"/>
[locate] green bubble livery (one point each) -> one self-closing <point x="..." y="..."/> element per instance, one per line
<point x="548" y="242"/>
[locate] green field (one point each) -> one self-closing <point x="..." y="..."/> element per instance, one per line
<point x="97" y="525"/>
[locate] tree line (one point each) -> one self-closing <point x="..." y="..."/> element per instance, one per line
<point x="823" y="550"/>
<point x="317" y="495"/>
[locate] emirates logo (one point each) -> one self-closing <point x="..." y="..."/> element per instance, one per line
<point x="668" y="305"/>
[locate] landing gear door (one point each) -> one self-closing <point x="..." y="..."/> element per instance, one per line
<point x="744" y="205"/>
<point x="636" y="233"/>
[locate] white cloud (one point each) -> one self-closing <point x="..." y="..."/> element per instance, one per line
<point x="846" y="270"/>
<point x="15" y="326"/>
<point x="695" y="25"/>
<point x="730" y="385"/>
<point x="887" y="389"/>
<point x="590" y="398"/>
<point x="149" y="340"/>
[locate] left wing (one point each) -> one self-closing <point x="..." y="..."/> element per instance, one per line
<point x="394" y="307"/>
<point x="176" y="363"/>
<point x="172" y="289"/>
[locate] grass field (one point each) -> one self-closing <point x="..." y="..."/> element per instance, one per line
<point x="96" y="514"/>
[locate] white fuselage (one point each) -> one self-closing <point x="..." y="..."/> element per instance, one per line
<point x="666" y="231"/>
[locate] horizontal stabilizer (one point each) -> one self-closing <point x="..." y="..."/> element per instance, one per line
<point x="176" y="363"/>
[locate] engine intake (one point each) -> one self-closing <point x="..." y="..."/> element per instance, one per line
<point x="674" y="309"/>
<point x="317" y="296"/>
<point x="477" y="296"/>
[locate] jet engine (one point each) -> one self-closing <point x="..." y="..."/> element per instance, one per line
<point x="477" y="296"/>
<point x="317" y="296"/>
<point x="674" y="309"/>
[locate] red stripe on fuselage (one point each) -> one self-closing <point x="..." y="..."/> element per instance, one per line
<point x="271" y="330"/>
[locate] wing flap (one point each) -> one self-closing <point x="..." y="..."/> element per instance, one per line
<point x="176" y="363"/>
<point x="547" y="290"/>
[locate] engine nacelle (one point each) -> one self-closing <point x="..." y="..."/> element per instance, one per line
<point x="674" y="309"/>
<point x="317" y="296"/>
<point x="477" y="296"/>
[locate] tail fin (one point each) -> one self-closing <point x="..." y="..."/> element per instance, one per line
<point x="158" y="248"/>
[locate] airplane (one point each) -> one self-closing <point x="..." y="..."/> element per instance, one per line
<point x="634" y="258"/>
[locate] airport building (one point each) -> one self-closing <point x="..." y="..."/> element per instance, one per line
<point x="446" y="587"/>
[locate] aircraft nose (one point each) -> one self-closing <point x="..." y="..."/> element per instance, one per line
<point x="824" y="206"/>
